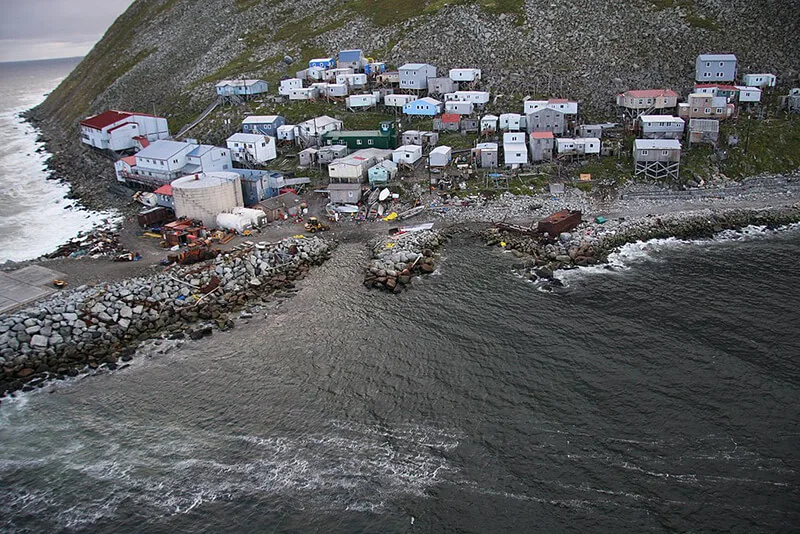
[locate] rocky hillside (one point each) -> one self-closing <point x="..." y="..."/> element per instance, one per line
<point x="167" y="54"/>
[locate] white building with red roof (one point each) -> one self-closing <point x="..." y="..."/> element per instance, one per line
<point x="117" y="130"/>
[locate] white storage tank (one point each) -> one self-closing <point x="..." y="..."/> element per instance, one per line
<point x="202" y="196"/>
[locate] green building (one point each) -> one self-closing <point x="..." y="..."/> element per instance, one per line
<point x="385" y="137"/>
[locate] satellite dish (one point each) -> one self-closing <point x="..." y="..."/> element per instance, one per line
<point x="288" y="60"/>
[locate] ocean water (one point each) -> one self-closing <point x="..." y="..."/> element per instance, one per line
<point x="658" y="395"/>
<point x="35" y="217"/>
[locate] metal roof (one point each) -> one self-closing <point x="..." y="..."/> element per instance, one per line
<point x="106" y="118"/>
<point x="542" y="135"/>
<point x="239" y="137"/>
<point x="163" y="149"/>
<point x="260" y="119"/>
<point x="200" y="150"/>
<point x="165" y="189"/>
<point x="239" y="83"/>
<point x="656" y="144"/>
<point x="414" y="66"/>
<point x="486" y="146"/>
<point x="351" y="55"/>
<point x="650" y="93"/>
<point x="204" y="179"/>
<point x="660" y="118"/>
<point x="716" y="57"/>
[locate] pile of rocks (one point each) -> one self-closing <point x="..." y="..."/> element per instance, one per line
<point x="100" y="241"/>
<point x="87" y="327"/>
<point x="396" y="259"/>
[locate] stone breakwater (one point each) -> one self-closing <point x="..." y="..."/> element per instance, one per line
<point x="90" y="327"/>
<point x="591" y="243"/>
<point x="397" y="258"/>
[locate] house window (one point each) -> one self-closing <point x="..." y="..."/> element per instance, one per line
<point x="708" y="64"/>
<point x="694" y="110"/>
<point x="358" y="141"/>
<point x="665" y="152"/>
<point x="721" y="64"/>
<point x="369" y="141"/>
<point x="719" y="111"/>
<point x="706" y="75"/>
<point x="644" y="152"/>
<point x="707" y="111"/>
<point x="263" y="144"/>
<point x="720" y="74"/>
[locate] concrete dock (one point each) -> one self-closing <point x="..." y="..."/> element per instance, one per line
<point x="25" y="286"/>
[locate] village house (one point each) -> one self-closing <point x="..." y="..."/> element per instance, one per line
<point x="304" y="93"/>
<point x="703" y="131"/>
<point x="331" y="74"/>
<point x="398" y="101"/>
<point x="281" y="207"/>
<point x="459" y="107"/>
<point x="374" y="68"/>
<point x="441" y="86"/>
<point x="427" y="107"/>
<point x="163" y="161"/>
<point x="791" y="102"/>
<point x="285" y="133"/>
<point x="419" y="137"/>
<point x="323" y="63"/>
<point x="440" y="156"/>
<point x="388" y="78"/>
<point x="661" y="126"/>
<point x="731" y="92"/>
<point x="657" y="159"/>
<point x="468" y="125"/>
<point x="258" y="185"/>
<point x="310" y="131"/>
<point x="407" y="154"/>
<point x="252" y="148"/>
<point x="541" y="144"/>
<point x="344" y="193"/>
<point x="384" y="137"/>
<point x="361" y="101"/>
<point x="288" y="85"/>
<point x="515" y="151"/>
<point x="355" y="80"/>
<point x="351" y="59"/>
<point x="510" y="122"/>
<point x="336" y="90"/>
<point x="485" y="155"/>
<point x="164" y="197"/>
<point x="263" y="124"/>
<point x="590" y="130"/>
<point x="382" y="172"/>
<point x="648" y="100"/>
<point x="489" y="124"/>
<point x="328" y="153"/>
<point x="759" y="80"/>
<point x="448" y="122"/>
<point x="578" y="146"/>
<point x="465" y="75"/>
<point x="479" y="98"/>
<point x="307" y="157"/>
<point x="118" y="130"/>
<point x="547" y="120"/>
<point x="715" y="67"/>
<point x="244" y="88"/>
<point x="705" y="106"/>
<point x="749" y="95"/>
<point x="353" y="168"/>
<point x="414" y="76"/>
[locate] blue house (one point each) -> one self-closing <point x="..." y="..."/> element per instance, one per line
<point x="263" y="124"/>
<point x="378" y="67"/>
<point x="257" y="185"/>
<point x="322" y="63"/>
<point x="351" y="59"/>
<point x="241" y="87"/>
<point x="428" y="107"/>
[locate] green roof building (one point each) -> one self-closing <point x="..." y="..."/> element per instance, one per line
<point x="356" y="139"/>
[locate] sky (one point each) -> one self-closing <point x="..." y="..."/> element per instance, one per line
<point x="44" y="29"/>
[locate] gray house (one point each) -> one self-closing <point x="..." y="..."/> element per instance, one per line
<point x="546" y="120"/>
<point x="263" y="124"/>
<point x="658" y="159"/>
<point x="441" y="86"/>
<point x="541" y="144"/>
<point x="715" y="68"/>
<point x="344" y="193"/>
<point x="485" y="155"/>
<point x="415" y="75"/>
<point x="661" y="126"/>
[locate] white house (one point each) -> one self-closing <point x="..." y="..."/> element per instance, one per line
<point x="315" y="73"/>
<point x="241" y="87"/>
<point x="398" y="101"/>
<point x="459" y="107"/>
<point x="285" y="132"/>
<point x="251" y="148"/>
<point x="415" y="75"/>
<point x="288" y="85"/>
<point x="489" y="123"/>
<point x="353" y="168"/>
<point x="749" y="94"/>
<point x="318" y="126"/>
<point x="476" y="97"/>
<point x="440" y="156"/>
<point x="118" y="130"/>
<point x="331" y="74"/>
<point x="357" y="80"/>
<point x="567" y="107"/>
<point x="361" y="101"/>
<point x="578" y="145"/>
<point x="465" y="75"/>
<point x="661" y="126"/>
<point x="304" y="93"/>
<point x="163" y="161"/>
<point x="510" y="121"/>
<point x="485" y="154"/>
<point x="515" y="149"/>
<point x="335" y="90"/>
<point x="760" y="80"/>
<point x="408" y="154"/>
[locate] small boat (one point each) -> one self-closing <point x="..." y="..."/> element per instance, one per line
<point x="373" y="196"/>
<point x="410" y="213"/>
<point x="416" y="228"/>
<point x="373" y="211"/>
<point x="346" y="208"/>
<point x="381" y="210"/>
<point x="385" y="193"/>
